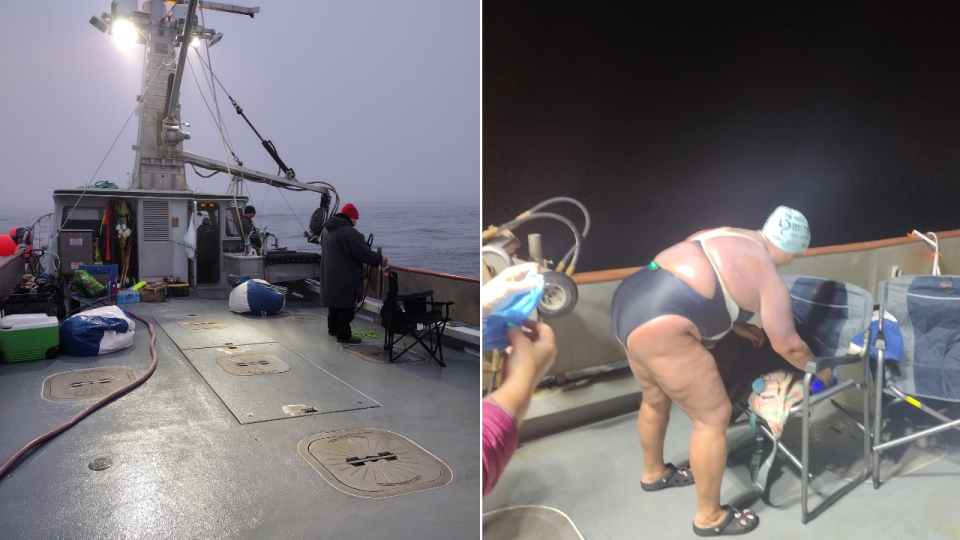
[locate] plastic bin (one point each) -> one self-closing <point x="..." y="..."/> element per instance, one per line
<point x="178" y="290"/>
<point x="126" y="296"/>
<point x="30" y="336"/>
<point x="28" y="303"/>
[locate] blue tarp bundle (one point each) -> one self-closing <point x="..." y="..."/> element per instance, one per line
<point x="252" y="298"/>
<point x="96" y="331"/>
<point x="891" y="333"/>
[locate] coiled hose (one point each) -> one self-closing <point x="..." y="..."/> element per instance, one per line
<point x="573" y="254"/>
<point x="86" y="412"/>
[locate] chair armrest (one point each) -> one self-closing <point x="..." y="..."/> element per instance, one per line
<point x="824" y="362"/>
<point x="418" y="296"/>
<point x="440" y="303"/>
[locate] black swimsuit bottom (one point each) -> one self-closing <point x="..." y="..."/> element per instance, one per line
<point x="652" y="292"/>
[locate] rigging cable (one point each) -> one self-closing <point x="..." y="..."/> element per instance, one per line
<point x="329" y="186"/>
<point x="90" y="182"/>
<point x="236" y="204"/>
<point x="225" y="132"/>
<point x="195" y="171"/>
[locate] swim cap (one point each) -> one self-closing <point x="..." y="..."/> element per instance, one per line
<point x="788" y="230"/>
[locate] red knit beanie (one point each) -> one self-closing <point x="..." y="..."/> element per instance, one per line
<point x="350" y="211"/>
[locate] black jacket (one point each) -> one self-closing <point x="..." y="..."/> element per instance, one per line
<point x="341" y="266"/>
<point x="246" y="225"/>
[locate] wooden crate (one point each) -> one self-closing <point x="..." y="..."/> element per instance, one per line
<point x="153" y="293"/>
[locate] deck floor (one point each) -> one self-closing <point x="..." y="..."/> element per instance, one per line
<point x="184" y="467"/>
<point x="592" y="474"/>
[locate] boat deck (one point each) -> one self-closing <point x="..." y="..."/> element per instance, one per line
<point x="592" y="474"/>
<point x="199" y="453"/>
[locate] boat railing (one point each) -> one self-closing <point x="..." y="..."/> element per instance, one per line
<point x="41" y="233"/>
<point x="464" y="290"/>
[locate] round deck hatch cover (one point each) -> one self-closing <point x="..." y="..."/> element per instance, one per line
<point x="303" y="318"/>
<point x="202" y="324"/>
<point x="541" y="522"/>
<point x="86" y="383"/>
<point x="252" y="364"/>
<point x="376" y="354"/>
<point x="373" y="463"/>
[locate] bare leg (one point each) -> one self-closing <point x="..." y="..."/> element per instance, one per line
<point x="670" y="352"/>
<point x="651" y="422"/>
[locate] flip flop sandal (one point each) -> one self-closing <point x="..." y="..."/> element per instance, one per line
<point x="675" y="478"/>
<point x="736" y="522"/>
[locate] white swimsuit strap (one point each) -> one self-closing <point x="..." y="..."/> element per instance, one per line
<point x="732" y="308"/>
<point x="725" y="231"/>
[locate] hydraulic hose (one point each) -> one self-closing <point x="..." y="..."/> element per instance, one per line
<point x="529" y="216"/>
<point x="86" y="412"/>
<point x="554" y="200"/>
<point x="572" y="254"/>
<point x="586" y="224"/>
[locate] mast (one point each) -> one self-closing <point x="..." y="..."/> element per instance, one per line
<point x="162" y="26"/>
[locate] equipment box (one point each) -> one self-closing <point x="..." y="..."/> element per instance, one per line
<point x="153" y="293"/>
<point x="28" y="337"/>
<point x="75" y="248"/>
<point x="28" y="303"/>
<point x="178" y="290"/>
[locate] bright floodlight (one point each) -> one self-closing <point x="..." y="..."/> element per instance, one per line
<point x="124" y="31"/>
<point x="195" y="42"/>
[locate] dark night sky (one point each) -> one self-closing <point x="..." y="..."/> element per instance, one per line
<point x="670" y="117"/>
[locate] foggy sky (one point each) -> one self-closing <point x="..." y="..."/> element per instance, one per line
<point x="379" y="98"/>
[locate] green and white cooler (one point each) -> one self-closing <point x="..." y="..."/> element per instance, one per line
<point x="28" y="336"/>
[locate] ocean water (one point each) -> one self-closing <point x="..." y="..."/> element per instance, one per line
<point x="442" y="237"/>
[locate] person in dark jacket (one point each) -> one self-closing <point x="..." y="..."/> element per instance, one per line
<point x="246" y="225"/>
<point x="341" y="270"/>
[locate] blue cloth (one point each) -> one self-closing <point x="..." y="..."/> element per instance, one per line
<point x="252" y="298"/>
<point x="494" y="333"/>
<point x="81" y="335"/>
<point x="894" y="339"/>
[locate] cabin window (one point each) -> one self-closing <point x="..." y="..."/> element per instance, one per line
<point x="82" y="217"/>
<point x="232" y="226"/>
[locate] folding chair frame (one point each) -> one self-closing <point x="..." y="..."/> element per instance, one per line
<point x="882" y="388"/>
<point x="433" y="332"/>
<point x="804" y="410"/>
<point x="109" y="299"/>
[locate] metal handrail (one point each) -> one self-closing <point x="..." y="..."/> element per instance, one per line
<point x="21" y="249"/>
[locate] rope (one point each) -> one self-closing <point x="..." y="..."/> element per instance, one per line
<point x="368" y="334"/>
<point x="202" y="176"/>
<point x="220" y="127"/>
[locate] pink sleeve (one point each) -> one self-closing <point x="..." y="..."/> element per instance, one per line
<point x="499" y="441"/>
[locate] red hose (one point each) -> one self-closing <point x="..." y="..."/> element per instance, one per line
<point x="86" y="412"/>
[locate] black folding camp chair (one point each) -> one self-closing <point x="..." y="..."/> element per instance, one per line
<point x="408" y="315"/>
